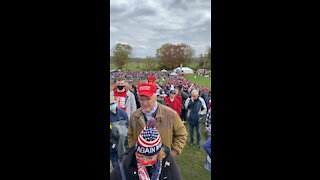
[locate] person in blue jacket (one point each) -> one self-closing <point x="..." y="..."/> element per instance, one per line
<point x="116" y="114"/>
<point x="207" y="146"/>
<point x="197" y="107"/>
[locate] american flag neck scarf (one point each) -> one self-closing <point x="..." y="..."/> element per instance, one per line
<point x="143" y="173"/>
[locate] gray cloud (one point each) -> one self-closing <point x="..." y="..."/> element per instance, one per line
<point x="146" y="25"/>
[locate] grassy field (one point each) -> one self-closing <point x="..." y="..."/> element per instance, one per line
<point x="204" y="81"/>
<point x="131" y="66"/>
<point x="191" y="161"/>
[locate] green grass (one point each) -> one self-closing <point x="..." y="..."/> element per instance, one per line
<point x="204" y="81"/>
<point x="131" y="66"/>
<point x="191" y="161"/>
<point x="193" y="65"/>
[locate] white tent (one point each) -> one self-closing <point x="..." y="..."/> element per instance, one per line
<point x="173" y="74"/>
<point x="163" y="70"/>
<point x="184" y="69"/>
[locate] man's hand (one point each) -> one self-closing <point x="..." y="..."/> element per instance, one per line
<point x="173" y="153"/>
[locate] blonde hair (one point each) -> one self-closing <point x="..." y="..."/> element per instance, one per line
<point x="161" y="154"/>
<point x="195" y="92"/>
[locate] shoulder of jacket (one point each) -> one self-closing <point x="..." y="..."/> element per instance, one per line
<point x="201" y="99"/>
<point x="129" y="93"/>
<point x="123" y="112"/>
<point x="136" y="112"/>
<point x="119" y="110"/>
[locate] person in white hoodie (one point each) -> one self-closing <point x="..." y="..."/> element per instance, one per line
<point x="124" y="97"/>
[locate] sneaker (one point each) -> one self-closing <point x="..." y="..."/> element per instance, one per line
<point x="191" y="144"/>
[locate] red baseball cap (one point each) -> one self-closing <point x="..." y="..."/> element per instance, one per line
<point x="147" y="89"/>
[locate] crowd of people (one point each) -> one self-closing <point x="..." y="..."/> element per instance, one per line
<point x="148" y="123"/>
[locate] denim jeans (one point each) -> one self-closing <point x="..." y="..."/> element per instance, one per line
<point x="198" y="132"/>
<point x="113" y="156"/>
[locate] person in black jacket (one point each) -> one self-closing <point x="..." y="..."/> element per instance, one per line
<point x="133" y="89"/>
<point x="185" y="96"/>
<point x="149" y="159"/>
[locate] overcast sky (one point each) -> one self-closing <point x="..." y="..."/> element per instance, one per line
<point x="147" y="24"/>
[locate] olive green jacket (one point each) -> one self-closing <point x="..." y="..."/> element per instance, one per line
<point x="172" y="131"/>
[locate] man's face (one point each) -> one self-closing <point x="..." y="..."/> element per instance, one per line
<point x="195" y="96"/>
<point x="121" y="84"/>
<point x="146" y="160"/>
<point x="147" y="103"/>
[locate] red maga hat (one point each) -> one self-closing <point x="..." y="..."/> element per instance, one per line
<point x="147" y="89"/>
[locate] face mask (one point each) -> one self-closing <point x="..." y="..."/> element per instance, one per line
<point x="120" y="87"/>
<point x="113" y="107"/>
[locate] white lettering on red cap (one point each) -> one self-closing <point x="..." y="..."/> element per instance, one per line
<point x="145" y="88"/>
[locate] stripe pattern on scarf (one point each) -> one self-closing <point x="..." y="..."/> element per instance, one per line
<point x="144" y="175"/>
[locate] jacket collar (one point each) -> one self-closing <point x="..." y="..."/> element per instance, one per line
<point x="159" y="115"/>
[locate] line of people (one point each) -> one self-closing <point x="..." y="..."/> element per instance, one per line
<point x="162" y="107"/>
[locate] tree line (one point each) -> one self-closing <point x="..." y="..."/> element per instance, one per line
<point x="169" y="56"/>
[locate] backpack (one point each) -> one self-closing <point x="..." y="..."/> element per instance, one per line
<point x="119" y="131"/>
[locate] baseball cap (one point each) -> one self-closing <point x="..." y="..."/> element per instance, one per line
<point x="146" y="89"/>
